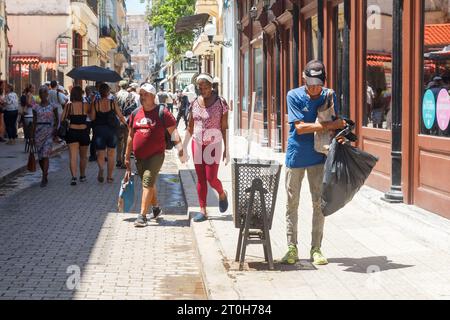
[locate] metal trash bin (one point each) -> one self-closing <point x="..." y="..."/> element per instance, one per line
<point x="255" y="186"/>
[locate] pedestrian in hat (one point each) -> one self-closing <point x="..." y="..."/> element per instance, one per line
<point x="301" y="157"/>
<point x="146" y="139"/>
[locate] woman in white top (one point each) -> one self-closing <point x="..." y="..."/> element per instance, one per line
<point x="11" y="113"/>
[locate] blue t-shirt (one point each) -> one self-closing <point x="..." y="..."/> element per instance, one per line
<point x="300" y="151"/>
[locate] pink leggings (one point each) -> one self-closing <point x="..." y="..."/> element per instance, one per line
<point x="207" y="167"/>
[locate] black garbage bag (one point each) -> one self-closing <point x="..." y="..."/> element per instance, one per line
<point x="346" y="171"/>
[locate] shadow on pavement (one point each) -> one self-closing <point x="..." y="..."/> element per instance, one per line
<point x="368" y="265"/>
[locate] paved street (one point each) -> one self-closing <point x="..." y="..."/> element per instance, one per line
<point x="67" y="242"/>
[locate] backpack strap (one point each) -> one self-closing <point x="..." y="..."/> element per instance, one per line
<point x="133" y="116"/>
<point x="161" y="114"/>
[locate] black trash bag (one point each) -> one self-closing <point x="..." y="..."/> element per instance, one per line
<point x="346" y="171"/>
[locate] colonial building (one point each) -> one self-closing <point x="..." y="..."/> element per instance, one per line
<point x="139" y="40"/>
<point x="49" y="38"/>
<point x="389" y="63"/>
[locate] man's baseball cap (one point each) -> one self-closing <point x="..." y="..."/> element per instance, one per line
<point x="149" y="88"/>
<point x="134" y="85"/>
<point x="315" y="73"/>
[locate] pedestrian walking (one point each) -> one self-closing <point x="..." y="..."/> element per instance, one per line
<point x="11" y="113"/>
<point x="89" y="98"/>
<point x="208" y="125"/>
<point x="183" y="111"/>
<point x="27" y="103"/>
<point x="163" y="97"/>
<point x="301" y="157"/>
<point x="45" y="122"/>
<point x="77" y="138"/>
<point x="124" y="100"/>
<point x="106" y="114"/>
<point x="2" y="106"/>
<point x="146" y="140"/>
<point x="57" y="97"/>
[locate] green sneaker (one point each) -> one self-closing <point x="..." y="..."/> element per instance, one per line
<point x="291" y="256"/>
<point x="317" y="257"/>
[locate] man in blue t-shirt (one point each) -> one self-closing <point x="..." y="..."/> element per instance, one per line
<point x="302" y="158"/>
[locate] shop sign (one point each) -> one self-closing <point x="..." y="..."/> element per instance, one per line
<point x="443" y="109"/>
<point x="429" y="109"/>
<point x="63" y="54"/>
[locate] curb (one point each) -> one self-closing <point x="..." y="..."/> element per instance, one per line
<point x="22" y="169"/>
<point x="218" y="285"/>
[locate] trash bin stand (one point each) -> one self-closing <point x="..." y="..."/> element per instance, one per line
<point x="246" y="236"/>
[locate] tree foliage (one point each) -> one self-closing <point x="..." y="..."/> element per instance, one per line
<point x="165" y="14"/>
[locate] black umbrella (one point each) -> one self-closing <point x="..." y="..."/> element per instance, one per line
<point x="94" y="73"/>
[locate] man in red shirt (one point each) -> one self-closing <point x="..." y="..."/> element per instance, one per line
<point x="147" y="141"/>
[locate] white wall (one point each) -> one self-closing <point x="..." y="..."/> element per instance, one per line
<point x="37" y="7"/>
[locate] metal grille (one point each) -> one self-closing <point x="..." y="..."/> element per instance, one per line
<point x="243" y="174"/>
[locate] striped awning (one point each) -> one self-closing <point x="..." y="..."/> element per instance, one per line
<point x="25" y="59"/>
<point x="378" y="60"/>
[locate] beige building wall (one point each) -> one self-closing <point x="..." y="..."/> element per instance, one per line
<point x="3" y="43"/>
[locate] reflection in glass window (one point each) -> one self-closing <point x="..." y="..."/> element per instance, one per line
<point x="377" y="111"/>
<point x="312" y="29"/>
<point x="258" y="79"/>
<point x="435" y="106"/>
<point x="246" y="82"/>
<point x="339" y="75"/>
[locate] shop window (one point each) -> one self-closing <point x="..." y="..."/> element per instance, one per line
<point x="435" y="107"/>
<point x="378" y="105"/>
<point x="246" y="84"/>
<point x="258" y="78"/>
<point x="312" y="30"/>
<point x="339" y="76"/>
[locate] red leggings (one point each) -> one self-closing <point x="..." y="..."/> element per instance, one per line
<point x="207" y="167"/>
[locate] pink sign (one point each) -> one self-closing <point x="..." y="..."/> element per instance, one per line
<point x="443" y="109"/>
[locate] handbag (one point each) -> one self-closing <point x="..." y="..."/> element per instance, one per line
<point x="31" y="165"/>
<point x="326" y="113"/>
<point x="63" y="129"/>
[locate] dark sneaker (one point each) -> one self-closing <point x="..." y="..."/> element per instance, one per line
<point x="73" y="182"/>
<point x="83" y="179"/>
<point x="141" y="221"/>
<point x="118" y="164"/>
<point x="157" y="212"/>
<point x="223" y="204"/>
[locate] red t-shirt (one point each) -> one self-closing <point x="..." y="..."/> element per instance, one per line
<point x="149" y="132"/>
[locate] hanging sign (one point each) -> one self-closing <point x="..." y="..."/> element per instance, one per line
<point x="63" y="54"/>
<point x="429" y="109"/>
<point x="443" y="109"/>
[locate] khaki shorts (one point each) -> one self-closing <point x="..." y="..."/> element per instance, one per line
<point x="148" y="169"/>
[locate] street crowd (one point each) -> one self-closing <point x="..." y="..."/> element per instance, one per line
<point x="138" y="122"/>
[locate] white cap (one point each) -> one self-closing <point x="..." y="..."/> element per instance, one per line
<point x="134" y="85"/>
<point x="149" y="88"/>
<point x="216" y="80"/>
<point x="206" y="77"/>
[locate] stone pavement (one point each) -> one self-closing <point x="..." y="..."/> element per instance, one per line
<point x="65" y="242"/>
<point x="13" y="158"/>
<point x="375" y="250"/>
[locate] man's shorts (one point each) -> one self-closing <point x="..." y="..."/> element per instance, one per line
<point x="148" y="169"/>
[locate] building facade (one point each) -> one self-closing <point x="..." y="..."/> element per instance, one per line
<point x="4" y="45"/>
<point x="389" y="63"/>
<point x="139" y="41"/>
<point x="50" y="38"/>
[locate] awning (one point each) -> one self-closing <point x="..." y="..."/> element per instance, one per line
<point x="25" y="59"/>
<point x="189" y="23"/>
<point x="185" y="78"/>
<point x="437" y="34"/>
<point x="378" y="60"/>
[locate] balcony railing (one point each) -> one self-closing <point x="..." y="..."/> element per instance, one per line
<point x="108" y="32"/>
<point x="92" y="4"/>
